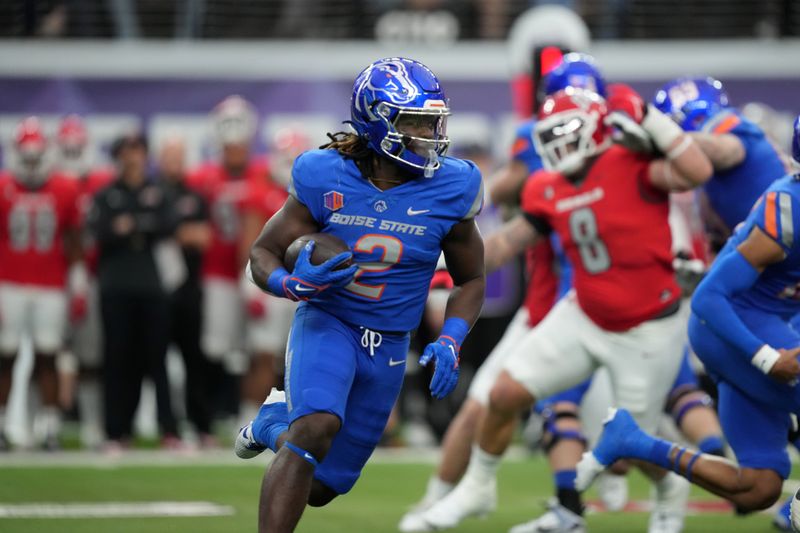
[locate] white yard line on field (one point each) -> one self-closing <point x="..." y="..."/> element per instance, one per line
<point x="113" y="509"/>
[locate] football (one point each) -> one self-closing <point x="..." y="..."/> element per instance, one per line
<point x="326" y="246"/>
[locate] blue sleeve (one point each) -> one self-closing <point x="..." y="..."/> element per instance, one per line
<point x="302" y="187"/>
<point x="774" y="215"/>
<point x="473" y="194"/>
<point x="731" y="275"/>
<point x="524" y="150"/>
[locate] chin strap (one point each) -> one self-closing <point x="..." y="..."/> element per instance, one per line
<point x="430" y="166"/>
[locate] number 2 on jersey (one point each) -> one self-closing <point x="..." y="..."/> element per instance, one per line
<point x="391" y="252"/>
<point x="593" y="251"/>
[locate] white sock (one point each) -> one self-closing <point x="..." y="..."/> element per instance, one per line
<point x="47" y="422"/>
<point x="91" y="413"/>
<point x="482" y="465"/>
<point x="437" y="489"/>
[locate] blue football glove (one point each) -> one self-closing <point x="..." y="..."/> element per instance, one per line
<point x="307" y="280"/>
<point x="444" y="353"/>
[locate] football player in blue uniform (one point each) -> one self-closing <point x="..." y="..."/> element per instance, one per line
<point x="391" y="194"/>
<point x="745" y="161"/>
<point x="740" y="330"/>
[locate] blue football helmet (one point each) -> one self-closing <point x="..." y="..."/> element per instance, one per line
<point x="796" y="141"/>
<point x="399" y="108"/>
<point x="691" y="101"/>
<point x="576" y="70"/>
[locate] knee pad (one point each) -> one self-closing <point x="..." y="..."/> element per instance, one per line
<point x="552" y="433"/>
<point x="678" y="410"/>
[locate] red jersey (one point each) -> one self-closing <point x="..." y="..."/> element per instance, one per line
<point x="229" y="198"/>
<point x="615" y="231"/>
<point x="542" y="289"/>
<point x="32" y="228"/>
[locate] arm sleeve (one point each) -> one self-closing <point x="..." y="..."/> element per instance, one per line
<point x="473" y="197"/>
<point x="532" y="206"/>
<point x="712" y="301"/>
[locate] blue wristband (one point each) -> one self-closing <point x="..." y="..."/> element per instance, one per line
<point x="455" y="330"/>
<point x="276" y="282"/>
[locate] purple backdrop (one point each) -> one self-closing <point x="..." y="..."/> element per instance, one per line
<point x="146" y="97"/>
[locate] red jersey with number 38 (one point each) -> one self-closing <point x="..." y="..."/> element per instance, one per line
<point x="32" y="227"/>
<point x="615" y="231"/>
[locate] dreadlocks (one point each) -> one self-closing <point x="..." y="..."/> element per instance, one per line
<point x="352" y="146"/>
<point x="347" y="144"/>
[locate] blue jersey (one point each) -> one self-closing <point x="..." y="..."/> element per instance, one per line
<point x="732" y="192"/>
<point x="395" y="235"/>
<point x="524" y="149"/>
<point x="777" y="213"/>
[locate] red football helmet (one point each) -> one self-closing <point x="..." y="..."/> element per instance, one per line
<point x="284" y="147"/>
<point x="30" y="144"/>
<point x="571" y="129"/>
<point x="72" y="139"/>
<point x="72" y="134"/>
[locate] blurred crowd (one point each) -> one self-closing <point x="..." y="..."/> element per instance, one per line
<point x="392" y="20"/>
<point x="105" y="267"/>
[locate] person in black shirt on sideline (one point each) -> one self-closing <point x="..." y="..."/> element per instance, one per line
<point x="131" y="220"/>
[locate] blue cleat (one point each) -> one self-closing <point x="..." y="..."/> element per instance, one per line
<point x="621" y="438"/>
<point x="273" y="411"/>
<point x="783" y="517"/>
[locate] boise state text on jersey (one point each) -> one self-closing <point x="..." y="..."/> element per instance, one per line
<point x="733" y="192"/>
<point x="777" y="214"/>
<point x="395" y="234"/>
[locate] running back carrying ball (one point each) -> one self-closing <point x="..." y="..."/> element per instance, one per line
<point x="326" y="246"/>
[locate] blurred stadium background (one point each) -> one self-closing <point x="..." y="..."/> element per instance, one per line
<point x="161" y="66"/>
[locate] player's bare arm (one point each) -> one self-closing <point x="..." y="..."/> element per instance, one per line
<point x="252" y="224"/>
<point x="760" y="250"/>
<point x="685" y="166"/>
<point x="463" y="251"/>
<point x="72" y="245"/>
<point x="724" y="150"/>
<point x="508" y="242"/>
<point x="290" y="222"/>
<point x="505" y="185"/>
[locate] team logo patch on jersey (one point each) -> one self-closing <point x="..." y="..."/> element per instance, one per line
<point x="380" y="206"/>
<point x="334" y="200"/>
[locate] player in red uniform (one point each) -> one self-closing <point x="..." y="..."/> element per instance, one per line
<point x="240" y="197"/>
<point x="74" y="161"/>
<point x="38" y="241"/>
<point x="609" y="206"/>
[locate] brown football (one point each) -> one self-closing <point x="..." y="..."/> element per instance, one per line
<point x="326" y="246"/>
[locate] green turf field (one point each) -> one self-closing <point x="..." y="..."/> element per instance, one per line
<point x="375" y="505"/>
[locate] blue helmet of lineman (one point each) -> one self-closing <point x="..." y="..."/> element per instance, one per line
<point x="576" y="70"/>
<point x="399" y="108"/>
<point x="796" y="141"/>
<point x="691" y="101"/>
